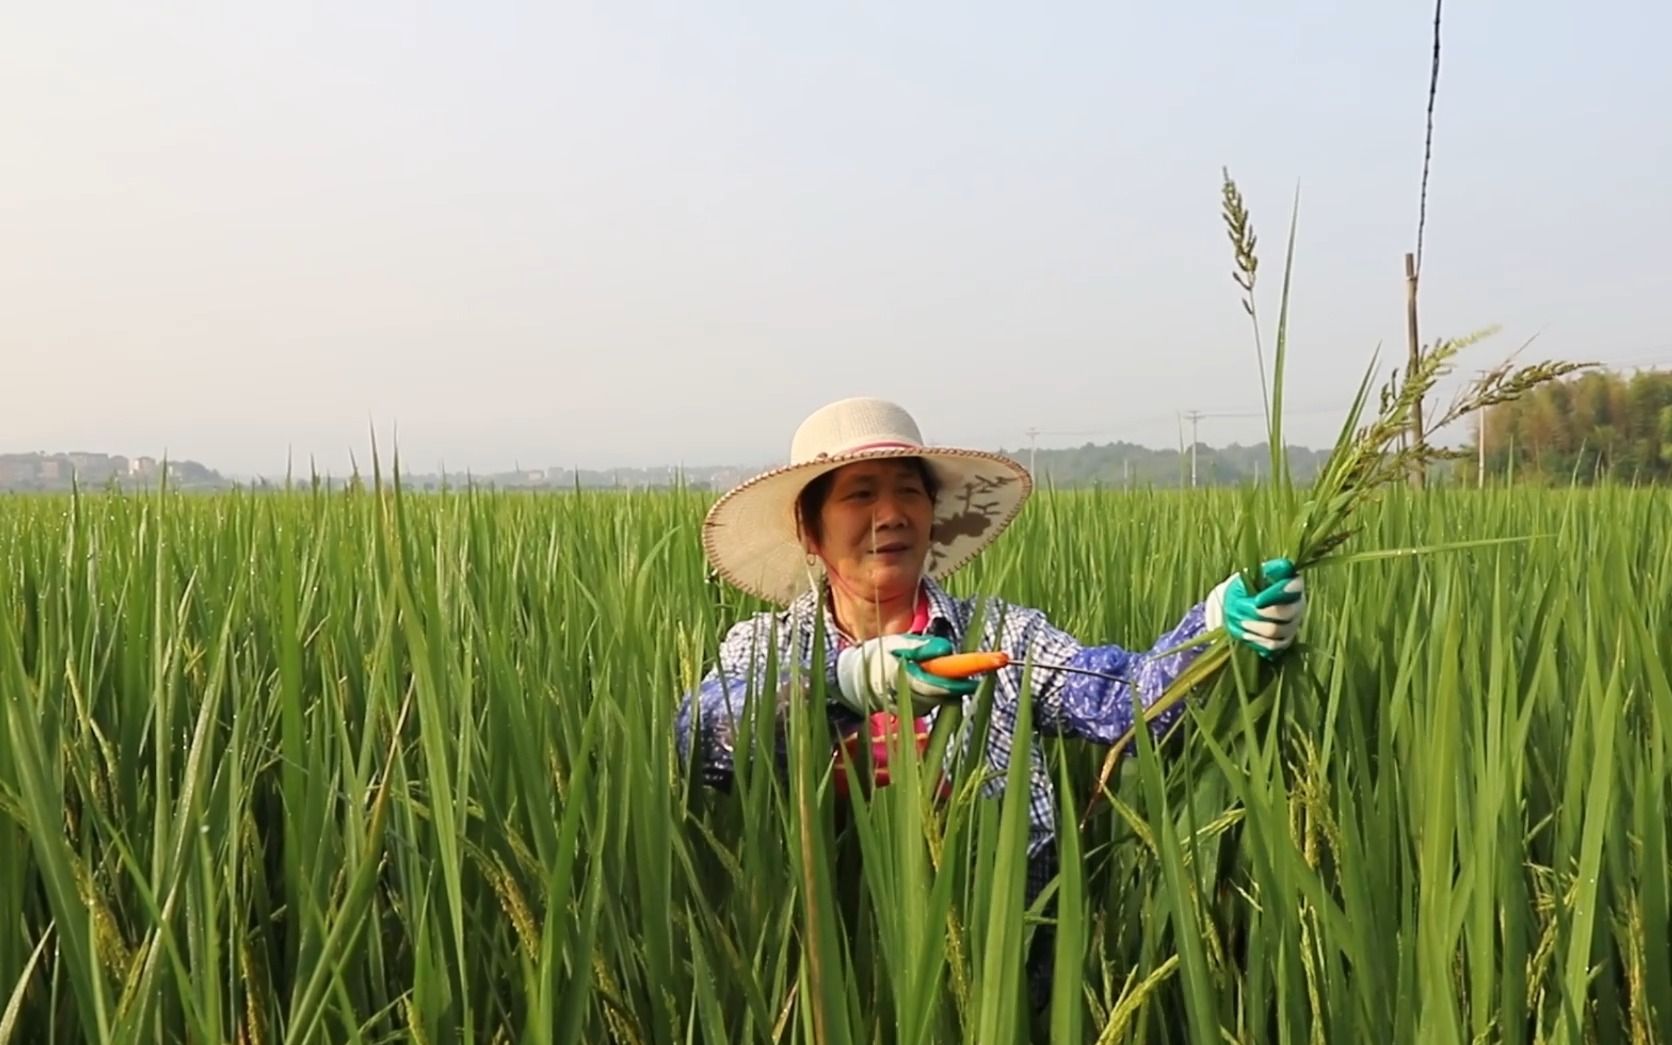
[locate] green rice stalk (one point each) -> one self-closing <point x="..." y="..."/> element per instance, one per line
<point x="1365" y="461"/>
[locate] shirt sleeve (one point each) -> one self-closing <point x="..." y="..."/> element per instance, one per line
<point x="711" y="717"/>
<point x="1100" y="709"/>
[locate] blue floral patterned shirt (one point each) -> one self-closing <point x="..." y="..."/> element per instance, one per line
<point x="1064" y="703"/>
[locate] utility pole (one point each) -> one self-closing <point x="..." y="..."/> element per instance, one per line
<point x="1480" y="443"/>
<point x="1480" y="437"/>
<point x="1194" y="416"/>
<point x="1034" y="433"/>
<point x="1417" y="477"/>
<point x="1181" y="451"/>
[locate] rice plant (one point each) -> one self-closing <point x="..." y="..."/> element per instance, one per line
<point x="363" y="766"/>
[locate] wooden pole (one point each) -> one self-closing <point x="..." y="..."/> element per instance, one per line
<point x="1480" y="470"/>
<point x="1417" y="476"/>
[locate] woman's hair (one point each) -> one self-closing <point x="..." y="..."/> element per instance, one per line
<point x="810" y="503"/>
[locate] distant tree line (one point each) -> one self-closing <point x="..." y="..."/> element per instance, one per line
<point x="1593" y="427"/>
<point x="1117" y="465"/>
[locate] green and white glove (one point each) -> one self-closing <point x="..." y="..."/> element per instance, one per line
<point x="867" y="674"/>
<point x="1267" y="620"/>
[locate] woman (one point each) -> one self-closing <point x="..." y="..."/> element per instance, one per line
<point x="859" y="528"/>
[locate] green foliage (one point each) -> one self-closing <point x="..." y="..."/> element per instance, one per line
<point x="357" y="767"/>
<point x="1593" y="428"/>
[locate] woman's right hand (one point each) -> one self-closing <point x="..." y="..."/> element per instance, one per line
<point x="867" y="674"/>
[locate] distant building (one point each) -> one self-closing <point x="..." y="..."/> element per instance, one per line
<point x="65" y="471"/>
<point x="18" y="468"/>
<point x="91" y="468"/>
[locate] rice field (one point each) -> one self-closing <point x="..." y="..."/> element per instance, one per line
<point x="363" y="766"/>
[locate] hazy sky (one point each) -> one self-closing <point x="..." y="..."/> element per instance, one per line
<point x="641" y="234"/>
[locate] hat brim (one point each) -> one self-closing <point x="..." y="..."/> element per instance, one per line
<point x="750" y="538"/>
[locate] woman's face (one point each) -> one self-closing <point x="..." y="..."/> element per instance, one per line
<point x="874" y="528"/>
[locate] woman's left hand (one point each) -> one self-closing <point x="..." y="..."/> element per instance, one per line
<point x="1267" y="620"/>
<point x="866" y="675"/>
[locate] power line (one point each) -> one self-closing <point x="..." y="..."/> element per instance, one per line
<point x="1132" y="423"/>
<point x="1195" y="416"/>
<point x="1428" y="139"/>
<point x="1641" y="361"/>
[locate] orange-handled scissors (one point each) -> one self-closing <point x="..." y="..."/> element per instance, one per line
<point x="965" y="665"/>
<point x="980" y="662"/>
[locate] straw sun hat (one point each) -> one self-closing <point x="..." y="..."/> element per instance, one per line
<point x="750" y="535"/>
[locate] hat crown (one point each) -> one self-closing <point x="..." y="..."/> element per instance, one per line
<point x="851" y="426"/>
